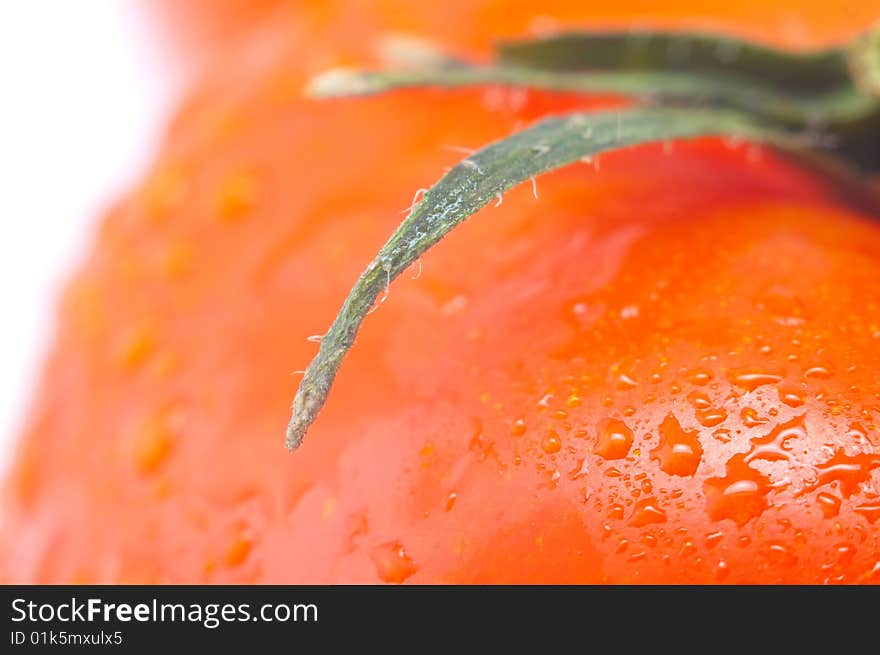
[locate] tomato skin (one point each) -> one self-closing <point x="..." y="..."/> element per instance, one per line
<point x="202" y="28"/>
<point x="657" y="371"/>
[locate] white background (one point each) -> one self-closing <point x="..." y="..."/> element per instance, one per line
<point x="85" y="88"/>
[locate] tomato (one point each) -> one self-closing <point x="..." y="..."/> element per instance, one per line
<point x="660" y="369"/>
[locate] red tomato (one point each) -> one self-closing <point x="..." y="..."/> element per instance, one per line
<point x="663" y="369"/>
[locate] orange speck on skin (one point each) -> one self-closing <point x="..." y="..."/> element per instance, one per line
<point x="237" y="197"/>
<point x="137" y="347"/>
<point x="238" y="551"/>
<point x="152" y="445"/>
<point x="177" y="260"/>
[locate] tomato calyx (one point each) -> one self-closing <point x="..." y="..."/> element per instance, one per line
<point x="817" y="107"/>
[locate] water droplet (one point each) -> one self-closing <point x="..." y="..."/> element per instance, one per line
<point x="721" y="570"/>
<point x="551" y="443"/>
<point x="392" y="563"/>
<point x="711" y="417"/>
<point x="518" y="428"/>
<point x="699" y="400"/>
<point x="818" y="373"/>
<point x="615" y="511"/>
<point x="714" y="538"/>
<point x="750" y="379"/>
<point x="700" y="377"/>
<point x="544" y="402"/>
<point x="776" y="445"/>
<point x="779" y="554"/>
<point x="791" y="396"/>
<point x="845" y="554"/>
<point x="750" y="417"/>
<point x="740" y="495"/>
<point x="581" y="469"/>
<point x="849" y="471"/>
<point x="647" y="511"/>
<point x="679" y="452"/>
<point x="628" y="312"/>
<point x="454" y="306"/>
<point x="829" y="504"/>
<point x="722" y="436"/>
<point x="418" y="273"/>
<point x="450" y="501"/>
<point x="615" y="440"/>
<point x="625" y="381"/>
<point x="688" y="548"/>
<point x="872" y="576"/>
<point x="870" y="511"/>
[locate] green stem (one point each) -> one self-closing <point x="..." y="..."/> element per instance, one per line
<point x="838" y="106"/>
<point x="482" y="178"/>
<point x="707" y="54"/>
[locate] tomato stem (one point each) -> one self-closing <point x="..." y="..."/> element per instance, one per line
<point x="701" y="85"/>
<point x="481" y="178"/>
